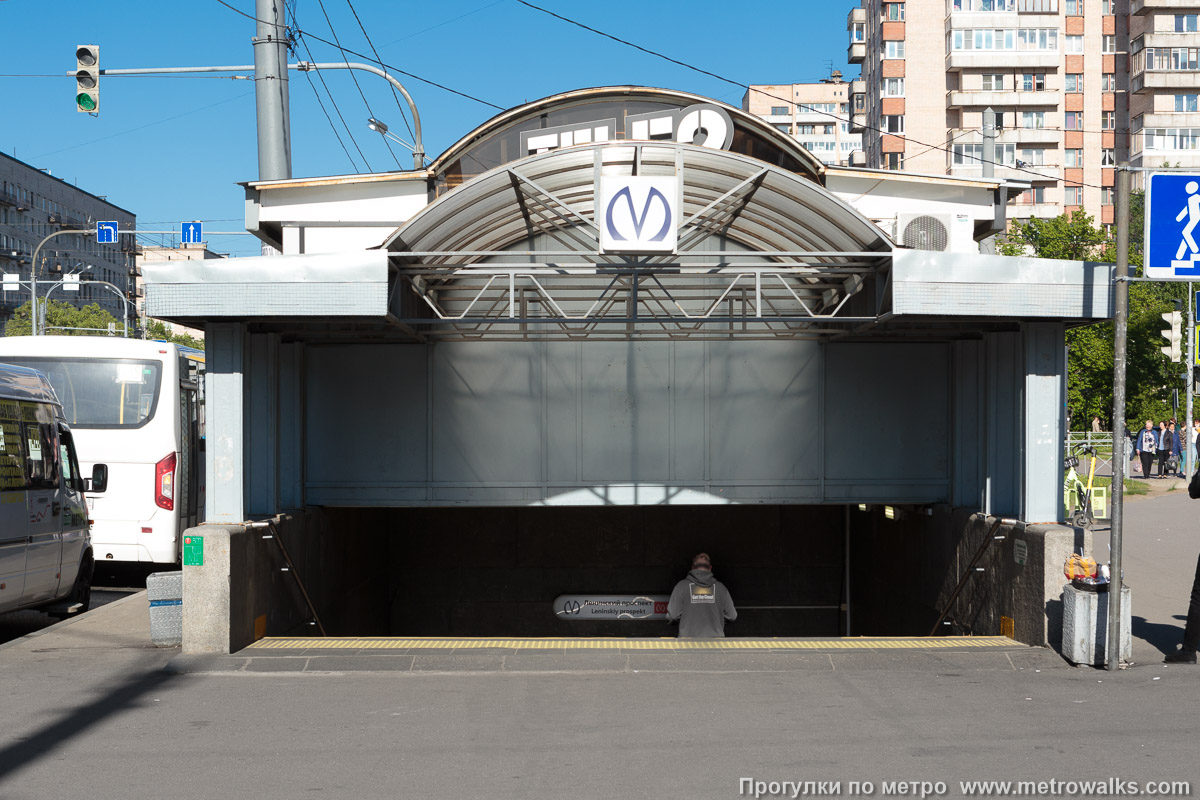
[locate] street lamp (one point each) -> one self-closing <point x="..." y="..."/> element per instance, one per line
<point x="381" y="127"/>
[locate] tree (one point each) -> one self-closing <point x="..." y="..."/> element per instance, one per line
<point x="1149" y="376"/>
<point x="157" y="329"/>
<point x="61" y="316"/>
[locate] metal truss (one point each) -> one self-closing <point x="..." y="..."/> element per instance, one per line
<point x="579" y="293"/>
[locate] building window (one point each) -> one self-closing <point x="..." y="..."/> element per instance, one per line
<point x="1106" y="7"/>
<point x="1030" y="196"/>
<point x="893" y="160"/>
<point x="893" y="123"/>
<point x="858" y="32"/>
<point x="893" y="49"/>
<point x="779" y="111"/>
<point x="1074" y="158"/>
<point x="893" y="12"/>
<point x="972" y="154"/>
<point x="1109" y="43"/>
<point x="1108" y="120"/>
<point x="1106" y="196"/>
<point x="1185" y="23"/>
<point x="993" y="82"/>
<point x="1036" y="39"/>
<point x="1073" y="9"/>
<point x="1108" y="82"/>
<point x="1074" y="44"/>
<point x="1033" y="82"/>
<point x="1074" y="196"/>
<point x="1074" y="82"/>
<point x="893" y="87"/>
<point x="1108" y="157"/>
<point x="806" y="130"/>
<point x="1186" y="102"/>
<point x="1073" y="121"/>
<point x="1033" y="119"/>
<point x="1033" y="157"/>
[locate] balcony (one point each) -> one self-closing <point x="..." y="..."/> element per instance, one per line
<point x="1045" y="172"/>
<point x="1027" y="210"/>
<point x="1146" y="6"/>
<point x="858" y="159"/>
<point x="856" y="27"/>
<point x="856" y="53"/>
<point x="1142" y="81"/>
<point x="1018" y="136"/>
<point x="1171" y="120"/>
<point x="1013" y="59"/>
<point x="858" y="122"/>
<point x="1046" y="99"/>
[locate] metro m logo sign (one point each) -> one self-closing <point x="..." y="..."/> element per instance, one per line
<point x="637" y="214"/>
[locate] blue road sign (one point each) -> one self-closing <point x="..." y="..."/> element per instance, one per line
<point x="1172" y="225"/>
<point x="193" y="232"/>
<point x="106" y="233"/>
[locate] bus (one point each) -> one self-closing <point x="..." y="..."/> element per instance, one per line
<point x="135" y="406"/>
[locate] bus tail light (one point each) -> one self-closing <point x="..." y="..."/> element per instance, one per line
<point x="164" y="483"/>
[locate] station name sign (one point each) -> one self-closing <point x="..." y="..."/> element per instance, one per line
<point x="703" y="124"/>
<point x="611" y="606"/>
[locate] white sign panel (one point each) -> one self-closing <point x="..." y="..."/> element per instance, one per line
<point x="1172" y="215"/>
<point x="70" y="283"/>
<point x="638" y="214"/>
<point x="613" y="606"/>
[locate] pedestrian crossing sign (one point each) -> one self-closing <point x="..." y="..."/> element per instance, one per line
<point x="1172" y="225"/>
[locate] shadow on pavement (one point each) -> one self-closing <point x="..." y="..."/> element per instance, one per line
<point x="1165" y="637"/>
<point x="50" y="739"/>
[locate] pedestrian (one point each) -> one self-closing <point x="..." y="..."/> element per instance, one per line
<point x="700" y="603"/>
<point x="1175" y="442"/>
<point x="1162" y="449"/>
<point x="1196" y="437"/>
<point x="1096" y="427"/>
<point x="1145" y="445"/>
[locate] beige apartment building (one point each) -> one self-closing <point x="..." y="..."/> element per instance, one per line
<point x="815" y="114"/>
<point x="1056" y="73"/>
<point x="1164" y="83"/>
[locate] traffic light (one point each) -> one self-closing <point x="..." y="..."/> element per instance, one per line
<point x="87" y="78"/>
<point x="1173" y="336"/>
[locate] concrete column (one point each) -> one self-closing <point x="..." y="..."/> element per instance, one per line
<point x="1043" y="415"/>
<point x="225" y="356"/>
<point x="262" y="432"/>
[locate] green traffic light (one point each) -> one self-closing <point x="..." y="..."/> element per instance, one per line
<point x="85" y="101"/>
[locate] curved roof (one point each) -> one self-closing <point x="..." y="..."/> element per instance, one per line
<point x="567" y="108"/>
<point x="763" y="207"/>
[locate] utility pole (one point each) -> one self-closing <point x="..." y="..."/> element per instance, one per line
<point x="1185" y="430"/>
<point x="989" y="142"/>
<point x="1121" y="330"/>
<point x="271" y="92"/>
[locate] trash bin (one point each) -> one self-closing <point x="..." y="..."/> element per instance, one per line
<point x="165" y="592"/>
<point x="1085" y="626"/>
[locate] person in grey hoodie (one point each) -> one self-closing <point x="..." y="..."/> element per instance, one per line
<point x="700" y="603"/>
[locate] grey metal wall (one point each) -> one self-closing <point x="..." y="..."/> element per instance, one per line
<point x="627" y="423"/>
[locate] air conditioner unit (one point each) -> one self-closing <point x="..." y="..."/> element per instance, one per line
<point x="953" y="233"/>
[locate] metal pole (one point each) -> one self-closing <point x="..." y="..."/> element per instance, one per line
<point x="989" y="142"/>
<point x="1185" y="434"/>
<point x="271" y="92"/>
<point x="1120" y="325"/>
<point x="33" y="276"/>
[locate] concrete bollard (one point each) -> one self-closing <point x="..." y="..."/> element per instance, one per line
<point x="1085" y="626"/>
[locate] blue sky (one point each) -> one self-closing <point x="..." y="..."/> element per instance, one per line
<point x="173" y="148"/>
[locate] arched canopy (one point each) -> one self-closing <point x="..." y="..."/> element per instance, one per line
<point x="621" y="113"/>
<point x="758" y="245"/>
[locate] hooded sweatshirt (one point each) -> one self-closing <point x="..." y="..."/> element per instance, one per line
<point x="701" y="604"/>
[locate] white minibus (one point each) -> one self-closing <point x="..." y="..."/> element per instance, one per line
<point x="133" y="405"/>
<point x="46" y="555"/>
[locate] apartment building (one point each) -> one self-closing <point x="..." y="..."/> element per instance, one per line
<point x="1164" y="83"/>
<point x="1054" y="73"/>
<point x="815" y="114"/>
<point x="34" y="203"/>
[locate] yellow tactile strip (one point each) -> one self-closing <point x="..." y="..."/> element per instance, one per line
<point x="401" y="643"/>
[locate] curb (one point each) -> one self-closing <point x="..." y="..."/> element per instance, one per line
<point x="58" y="626"/>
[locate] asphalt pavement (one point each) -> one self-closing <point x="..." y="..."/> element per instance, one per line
<point x="92" y="709"/>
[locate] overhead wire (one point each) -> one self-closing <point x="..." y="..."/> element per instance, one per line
<point x="379" y="61"/>
<point x="353" y="77"/>
<point x="300" y="38"/>
<point x="750" y="88"/>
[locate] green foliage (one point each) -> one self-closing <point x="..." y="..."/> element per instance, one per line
<point x="61" y="315"/>
<point x="1149" y="375"/>
<point x="156" y="329"/>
